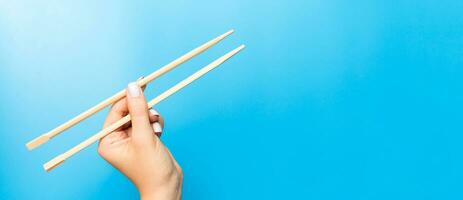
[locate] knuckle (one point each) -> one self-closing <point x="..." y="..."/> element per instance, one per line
<point x="180" y="171"/>
<point x="101" y="152"/>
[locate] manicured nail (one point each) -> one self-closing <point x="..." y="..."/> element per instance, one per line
<point x="157" y="127"/>
<point x="134" y="89"/>
<point x="154" y="112"/>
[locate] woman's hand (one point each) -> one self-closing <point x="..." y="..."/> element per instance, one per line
<point x="137" y="151"/>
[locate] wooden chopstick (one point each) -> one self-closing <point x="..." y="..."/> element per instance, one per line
<point x="61" y="158"/>
<point x="121" y="94"/>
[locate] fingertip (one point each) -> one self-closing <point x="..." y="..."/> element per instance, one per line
<point x="154" y="112"/>
<point x="133" y="90"/>
<point x="154" y="115"/>
<point x="157" y="127"/>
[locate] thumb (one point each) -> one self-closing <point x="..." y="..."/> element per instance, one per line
<point x="138" y="110"/>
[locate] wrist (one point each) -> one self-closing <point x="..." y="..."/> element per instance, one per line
<point x="169" y="191"/>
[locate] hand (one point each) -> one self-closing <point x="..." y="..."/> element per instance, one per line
<point x="137" y="151"/>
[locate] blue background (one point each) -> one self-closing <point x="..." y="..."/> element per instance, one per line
<point x="331" y="99"/>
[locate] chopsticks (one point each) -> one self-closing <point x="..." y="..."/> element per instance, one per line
<point x="61" y="158"/>
<point x="121" y="94"/>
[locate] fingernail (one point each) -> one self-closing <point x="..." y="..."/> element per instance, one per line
<point x="133" y="89"/>
<point x="154" y="112"/>
<point x="157" y="127"/>
<point x="141" y="77"/>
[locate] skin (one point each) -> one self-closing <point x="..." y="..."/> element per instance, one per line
<point x="137" y="151"/>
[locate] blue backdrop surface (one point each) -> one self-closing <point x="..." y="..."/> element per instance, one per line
<point x="331" y="99"/>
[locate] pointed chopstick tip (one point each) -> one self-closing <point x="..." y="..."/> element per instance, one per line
<point x="241" y="47"/>
<point x="235" y="51"/>
<point x="226" y="34"/>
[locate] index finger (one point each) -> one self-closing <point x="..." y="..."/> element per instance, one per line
<point x="117" y="111"/>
